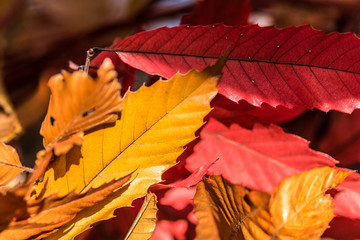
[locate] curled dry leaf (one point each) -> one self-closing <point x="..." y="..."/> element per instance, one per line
<point x="138" y="142"/>
<point x="297" y="209"/>
<point x="10" y="165"/>
<point x="47" y="215"/>
<point x="144" y="223"/>
<point x="79" y="103"/>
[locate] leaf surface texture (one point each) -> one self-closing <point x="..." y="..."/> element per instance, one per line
<point x="291" y="67"/>
<point x="273" y="154"/>
<point x="144" y="223"/>
<point x="79" y="103"/>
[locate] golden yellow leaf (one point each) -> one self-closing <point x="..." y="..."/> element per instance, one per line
<point x="79" y="103"/>
<point x="10" y="165"/>
<point x="47" y="215"/>
<point x="145" y="221"/>
<point x="156" y="123"/>
<point x="297" y="209"/>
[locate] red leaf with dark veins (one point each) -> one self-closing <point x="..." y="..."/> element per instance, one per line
<point x="291" y="67"/>
<point x="229" y="12"/>
<point x="259" y="158"/>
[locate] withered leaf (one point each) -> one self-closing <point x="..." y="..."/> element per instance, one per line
<point x="47" y="215"/>
<point x="79" y="103"/>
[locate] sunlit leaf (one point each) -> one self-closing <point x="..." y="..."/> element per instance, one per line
<point x="156" y="123"/>
<point x="144" y="223"/>
<point x="290" y="67"/>
<point x="297" y="209"/>
<point x="10" y="165"/>
<point x="79" y="103"/>
<point x="47" y="215"/>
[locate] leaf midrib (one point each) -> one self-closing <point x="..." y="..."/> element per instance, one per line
<point x="137" y="138"/>
<point x="235" y="59"/>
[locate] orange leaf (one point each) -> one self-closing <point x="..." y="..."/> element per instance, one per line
<point x="10" y="165"/>
<point x="79" y="103"/>
<point x="52" y="212"/>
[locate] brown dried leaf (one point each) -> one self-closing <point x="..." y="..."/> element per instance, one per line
<point x="47" y="215"/>
<point x="228" y="211"/>
<point x="297" y="209"/>
<point x="79" y="103"/>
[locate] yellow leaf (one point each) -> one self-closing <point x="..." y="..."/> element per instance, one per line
<point x="47" y="215"/>
<point x="297" y="209"/>
<point x="10" y="165"/>
<point x="299" y="206"/>
<point x="79" y="103"/>
<point x="144" y="223"/>
<point x="156" y="123"/>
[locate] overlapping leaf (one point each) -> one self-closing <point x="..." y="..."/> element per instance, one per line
<point x="156" y="123"/>
<point x="144" y="223"/>
<point x="297" y="209"/>
<point x="10" y="165"/>
<point x="79" y="103"/>
<point x="267" y="151"/>
<point x="46" y="216"/>
<point x="291" y="67"/>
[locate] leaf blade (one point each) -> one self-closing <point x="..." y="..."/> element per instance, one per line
<point x="144" y="223"/>
<point x="291" y="67"/>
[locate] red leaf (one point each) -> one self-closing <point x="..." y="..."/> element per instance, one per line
<point x="343" y="229"/>
<point x="292" y="67"/>
<point x="245" y="114"/>
<point x="126" y="73"/>
<point x="167" y="230"/>
<point x="347" y="202"/>
<point x="258" y="158"/>
<point x="229" y="12"/>
<point x="178" y="198"/>
<point x="342" y="140"/>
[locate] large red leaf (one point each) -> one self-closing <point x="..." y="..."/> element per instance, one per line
<point x="292" y="67"/>
<point x="258" y="158"/>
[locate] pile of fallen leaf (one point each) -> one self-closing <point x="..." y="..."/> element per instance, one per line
<point x="199" y="154"/>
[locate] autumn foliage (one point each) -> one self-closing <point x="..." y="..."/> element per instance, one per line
<point x="217" y="144"/>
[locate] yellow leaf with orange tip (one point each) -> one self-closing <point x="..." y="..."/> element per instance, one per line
<point x="47" y="215"/>
<point x="156" y="123"/>
<point x="145" y="221"/>
<point x="298" y="208"/>
<point x="79" y="103"/>
<point x="10" y="165"/>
